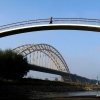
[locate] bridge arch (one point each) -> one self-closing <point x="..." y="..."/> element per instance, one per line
<point x="57" y="24"/>
<point x="48" y="50"/>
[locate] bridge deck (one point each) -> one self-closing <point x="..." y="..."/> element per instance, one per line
<point x="57" y="24"/>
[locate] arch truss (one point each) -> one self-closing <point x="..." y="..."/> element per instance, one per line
<point x="43" y="55"/>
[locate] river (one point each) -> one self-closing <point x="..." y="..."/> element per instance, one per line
<point x="85" y="93"/>
<point x="68" y="94"/>
<point x="51" y="95"/>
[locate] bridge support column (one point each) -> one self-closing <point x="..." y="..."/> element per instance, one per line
<point x="62" y="79"/>
<point x="66" y="79"/>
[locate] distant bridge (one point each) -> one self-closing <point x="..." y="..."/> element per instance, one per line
<point x="43" y="55"/>
<point x="44" y="24"/>
<point x="44" y="58"/>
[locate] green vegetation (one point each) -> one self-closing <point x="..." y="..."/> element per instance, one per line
<point x="12" y="66"/>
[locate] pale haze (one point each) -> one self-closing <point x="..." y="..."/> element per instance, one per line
<point x="80" y="49"/>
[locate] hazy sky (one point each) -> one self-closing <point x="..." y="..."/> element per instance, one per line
<point x="80" y="49"/>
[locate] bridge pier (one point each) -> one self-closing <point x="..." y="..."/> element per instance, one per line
<point x="65" y="79"/>
<point x="62" y="79"/>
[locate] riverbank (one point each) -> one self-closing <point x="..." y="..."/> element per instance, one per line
<point x="38" y="89"/>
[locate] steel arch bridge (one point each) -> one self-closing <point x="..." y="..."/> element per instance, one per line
<point x="44" y="24"/>
<point x="43" y="55"/>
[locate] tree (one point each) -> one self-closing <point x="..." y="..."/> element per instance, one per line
<point x="12" y="66"/>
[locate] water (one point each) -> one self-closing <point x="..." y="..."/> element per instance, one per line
<point x="57" y="95"/>
<point x="68" y="94"/>
<point x="85" y="93"/>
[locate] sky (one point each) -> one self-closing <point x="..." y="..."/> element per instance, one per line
<point x="80" y="49"/>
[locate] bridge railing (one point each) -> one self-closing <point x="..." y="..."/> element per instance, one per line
<point x="54" y="21"/>
<point x="23" y="24"/>
<point x="77" y="21"/>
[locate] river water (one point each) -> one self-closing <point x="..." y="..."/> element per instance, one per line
<point x="68" y="94"/>
<point x="85" y="93"/>
<point x="57" y="95"/>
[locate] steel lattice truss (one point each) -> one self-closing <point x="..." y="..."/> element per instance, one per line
<point x="43" y="55"/>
